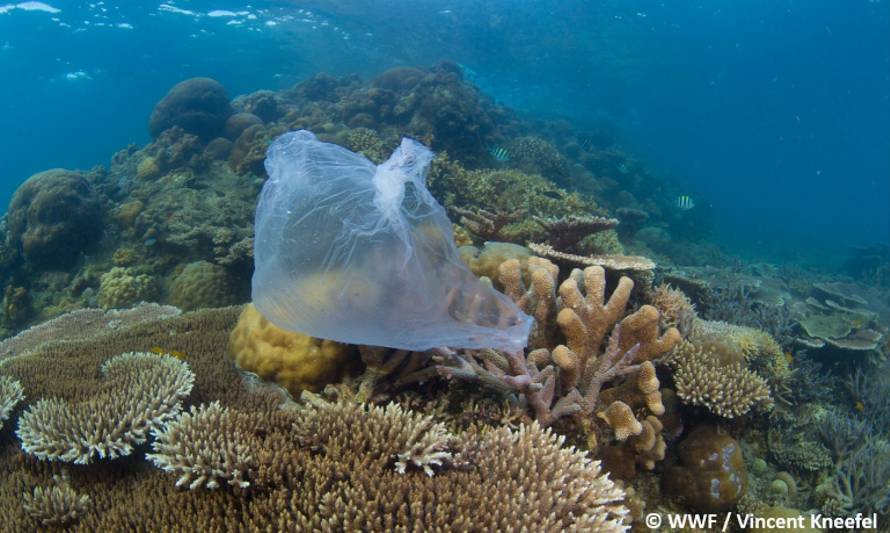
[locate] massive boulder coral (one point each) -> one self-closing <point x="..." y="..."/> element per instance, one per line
<point x="712" y="476"/>
<point x="53" y="217"/>
<point x="295" y="361"/>
<point x="122" y="287"/>
<point x="198" y="105"/>
<point x="140" y="392"/>
<point x="201" y="284"/>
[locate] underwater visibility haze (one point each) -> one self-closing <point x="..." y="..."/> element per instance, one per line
<point x="394" y="266"/>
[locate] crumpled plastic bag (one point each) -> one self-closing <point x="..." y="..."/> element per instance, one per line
<point x="363" y="254"/>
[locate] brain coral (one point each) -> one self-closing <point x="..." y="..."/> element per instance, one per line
<point x="293" y="360"/>
<point x="53" y="216"/>
<point x="201" y="284"/>
<point x="198" y="105"/>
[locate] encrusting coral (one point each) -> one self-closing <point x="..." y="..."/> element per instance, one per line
<point x="11" y="393"/>
<point x="140" y="392"/>
<point x="295" y="361"/>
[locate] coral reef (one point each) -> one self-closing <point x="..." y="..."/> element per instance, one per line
<point x="293" y="360"/>
<point x="55" y="506"/>
<point x="376" y="457"/>
<point x="205" y="446"/>
<point x="140" y="392"/>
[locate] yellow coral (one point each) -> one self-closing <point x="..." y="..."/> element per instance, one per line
<point x="293" y="360"/>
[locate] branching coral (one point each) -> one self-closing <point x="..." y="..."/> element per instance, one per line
<point x="347" y="466"/>
<point x="206" y="446"/>
<point x="713" y="374"/>
<point x="415" y="441"/>
<point x="141" y="392"/>
<point x="676" y="309"/>
<point x="569" y="378"/>
<point x="11" y="393"/>
<point x="55" y="506"/>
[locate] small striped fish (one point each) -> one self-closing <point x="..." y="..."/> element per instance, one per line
<point x="685" y="203"/>
<point x="499" y="154"/>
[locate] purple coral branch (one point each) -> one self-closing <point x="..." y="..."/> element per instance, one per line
<point x="520" y="376"/>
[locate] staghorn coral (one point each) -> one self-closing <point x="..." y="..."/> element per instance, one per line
<point x="11" y="393"/>
<point x="123" y="287"/>
<point x="295" y="361"/>
<point x="142" y="391"/>
<point x="711" y="373"/>
<point x="206" y="446"/>
<point x="413" y="440"/>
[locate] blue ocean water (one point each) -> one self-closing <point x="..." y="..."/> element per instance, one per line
<point x="773" y="115"/>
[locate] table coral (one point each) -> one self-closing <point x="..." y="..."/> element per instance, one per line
<point x="293" y="360"/>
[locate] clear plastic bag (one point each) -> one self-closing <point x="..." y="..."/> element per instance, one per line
<point x="363" y="254"/>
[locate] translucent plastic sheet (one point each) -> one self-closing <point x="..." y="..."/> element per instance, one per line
<point x="363" y="254"/>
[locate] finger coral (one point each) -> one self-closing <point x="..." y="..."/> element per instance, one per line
<point x="140" y="392"/>
<point x="10" y="395"/>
